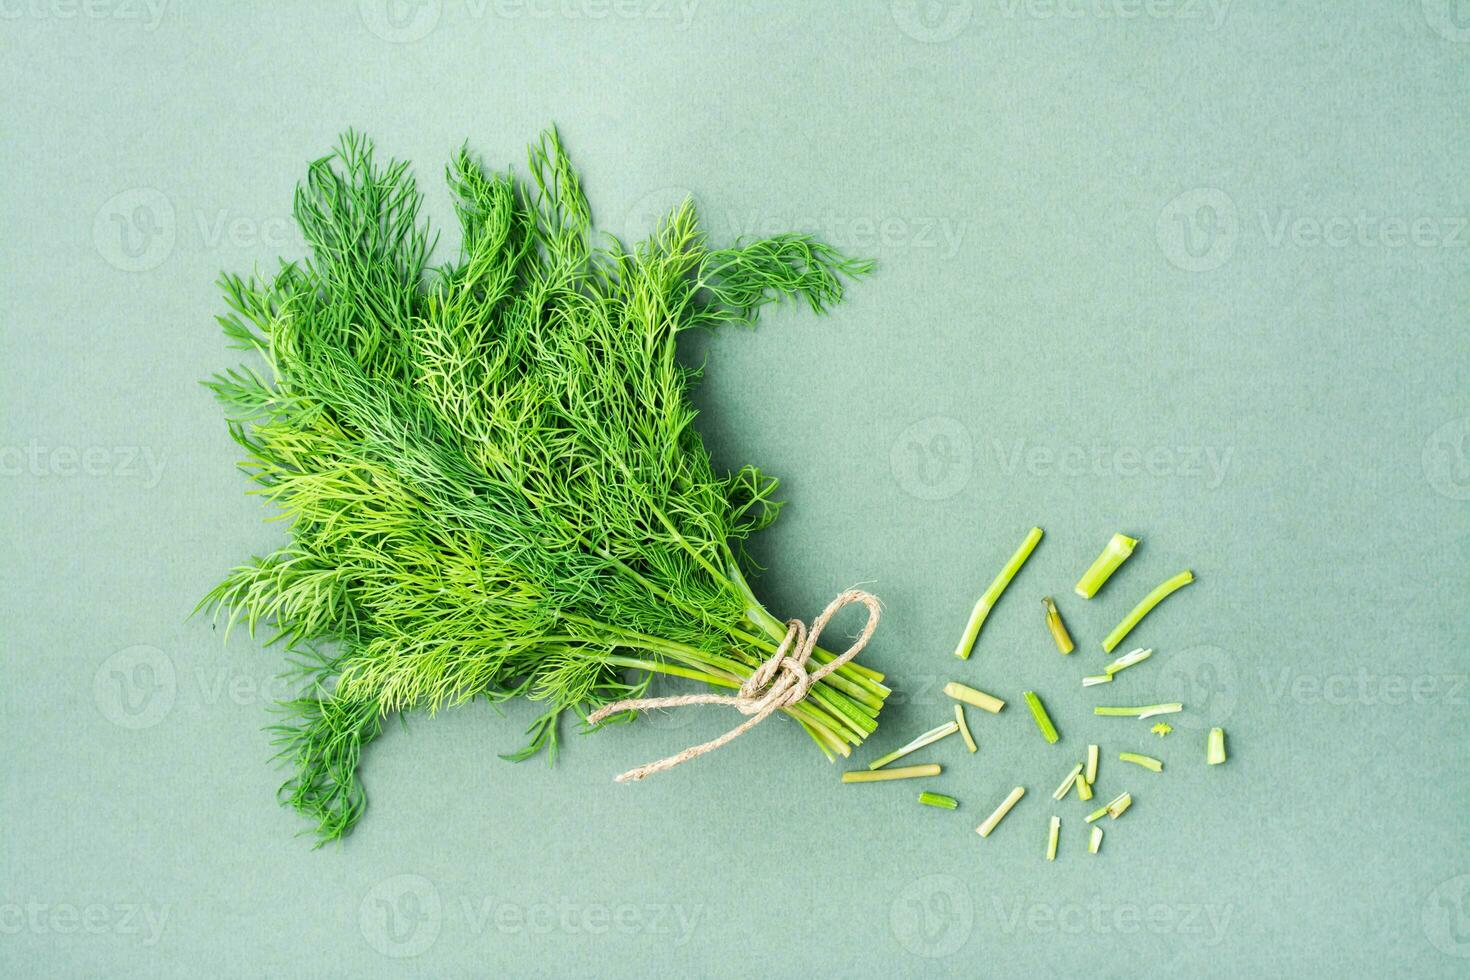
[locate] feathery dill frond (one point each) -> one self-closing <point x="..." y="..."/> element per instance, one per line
<point x="490" y="469"/>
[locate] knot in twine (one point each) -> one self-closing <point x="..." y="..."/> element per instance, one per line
<point x="780" y="682"/>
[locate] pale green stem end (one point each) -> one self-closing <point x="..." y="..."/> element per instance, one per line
<point x="928" y="738"/>
<point x="939" y="800"/>
<point x="1043" y="720"/>
<point x="993" y="593"/>
<point x="884" y="775"/>
<point x="1215" y="753"/>
<point x="1142" y="609"/>
<point x="1114" y="554"/>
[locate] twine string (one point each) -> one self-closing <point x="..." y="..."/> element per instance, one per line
<point x="780" y="682"/>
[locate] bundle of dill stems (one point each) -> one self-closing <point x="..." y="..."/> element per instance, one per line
<point x="489" y="468"/>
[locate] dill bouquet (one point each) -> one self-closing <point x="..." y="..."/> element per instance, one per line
<point x="489" y="468"/>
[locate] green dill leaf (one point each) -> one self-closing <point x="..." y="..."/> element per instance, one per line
<point x="489" y="468"/>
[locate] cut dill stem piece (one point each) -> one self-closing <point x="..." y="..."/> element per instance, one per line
<point x="1084" y="788"/>
<point x="928" y="738"/>
<point x="1092" y="680"/>
<point x="1121" y="803"/>
<point x="1099" y="813"/>
<point x="1145" y="711"/>
<point x="939" y="800"/>
<point x="1142" y="609"/>
<point x="1092" y="754"/>
<point x="959" y="719"/>
<point x="1062" y="790"/>
<point x="1052" y="837"/>
<point x="1215" y="752"/>
<point x="1117" y="550"/>
<point x="884" y="775"/>
<point x="1128" y="660"/>
<point x="999" y="813"/>
<point x="1058" y="628"/>
<point x="1043" y="720"/>
<point x="969" y="695"/>
<point x="987" y="601"/>
<point x="1148" y="762"/>
<point x="1095" y="840"/>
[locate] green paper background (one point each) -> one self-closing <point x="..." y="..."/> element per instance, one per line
<point x="1194" y="271"/>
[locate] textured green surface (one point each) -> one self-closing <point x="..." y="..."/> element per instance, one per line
<point x="1200" y="279"/>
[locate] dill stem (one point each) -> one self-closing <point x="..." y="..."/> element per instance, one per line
<point x="756" y="612"/>
<point x="813" y="721"/>
<point x="1117" y="550"/>
<point x="740" y="588"/>
<point x="857" y="678"/>
<point x="923" y="741"/>
<point x="860" y="717"/>
<point x="998" y="814"/>
<point x="853" y="688"/>
<point x="1143" y="711"/>
<point x="855" y="713"/>
<point x="669" y="526"/>
<point x="674" y="670"/>
<point x="1043" y="720"/>
<point x="899" y="772"/>
<point x="861" y="722"/>
<point x="939" y="800"/>
<point x="853" y="680"/>
<point x="1144" y="607"/>
<point x="830" y="719"/>
<point x="831" y="744"/>
<point x="864" y="690"/>
<point x="992" y="594"/>
<point x="1148" y="762"/>
<point x="858" y="724"/>
<point x="873" y="679"/>
<point x="1215" y="747"/>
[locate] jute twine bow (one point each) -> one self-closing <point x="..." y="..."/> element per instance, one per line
<point x="780" y="682"/>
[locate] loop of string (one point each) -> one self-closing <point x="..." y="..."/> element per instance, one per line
<point x="780" y="682"/>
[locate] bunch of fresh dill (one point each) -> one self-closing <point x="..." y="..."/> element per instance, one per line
<point x="490" y="470"/>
